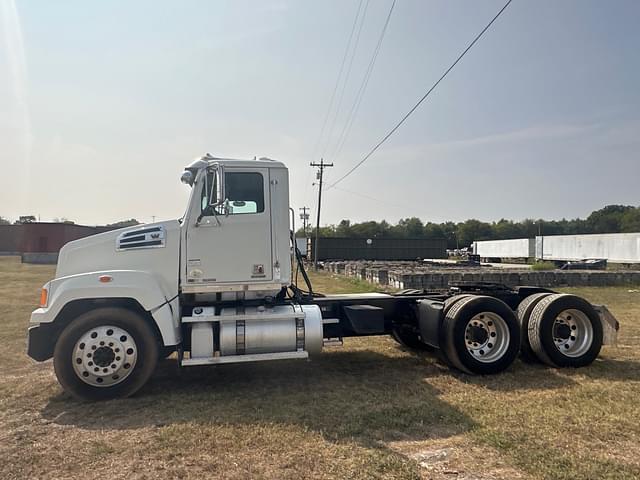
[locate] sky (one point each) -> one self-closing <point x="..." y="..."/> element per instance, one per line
<point x="102" y="104"/>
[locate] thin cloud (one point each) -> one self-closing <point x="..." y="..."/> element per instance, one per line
<point x="16" y="120"/>
<point x="539" y="132"/>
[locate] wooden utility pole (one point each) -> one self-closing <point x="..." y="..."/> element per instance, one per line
<point x="321" y="166"/>
<point x="304" y="216"/>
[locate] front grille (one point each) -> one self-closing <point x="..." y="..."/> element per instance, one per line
<point x="143" y="237"/>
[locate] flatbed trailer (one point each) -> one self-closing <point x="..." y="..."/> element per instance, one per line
<point x="218" y="286"/>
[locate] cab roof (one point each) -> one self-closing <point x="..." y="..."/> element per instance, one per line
<point x="208" y="159"/>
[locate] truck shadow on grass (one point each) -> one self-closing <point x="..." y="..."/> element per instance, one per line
<point x="520" y="375"/>
<point x="604" y="368"/>
<point x="344" y="395"/>
<point x="536" y="376"/>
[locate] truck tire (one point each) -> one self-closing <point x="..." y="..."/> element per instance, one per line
<point x="105" y="353"/>
<point x="408" y="338"/>
<point x="409" y="291"/>
<point x="451" y="301"/>
<point x="565" y="331"/>
<point x="524" y="313"/>
<point x="441" y="354"/>
<point x="448" y="303"/>
<point x="480" y="335"/>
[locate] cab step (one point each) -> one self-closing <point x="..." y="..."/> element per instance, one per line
<point x="254" y="357"/>
<point x="332" y="342"/>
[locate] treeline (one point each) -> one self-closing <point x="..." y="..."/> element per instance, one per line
<point x="33" y="219"/>
<point x="610" y="219"/>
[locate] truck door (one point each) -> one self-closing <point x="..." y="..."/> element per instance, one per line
<point x="232" y="242"/>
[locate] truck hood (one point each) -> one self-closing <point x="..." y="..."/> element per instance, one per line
<point x="152" y="248"/>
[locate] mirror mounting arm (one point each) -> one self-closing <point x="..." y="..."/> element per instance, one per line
<point x="216" y="194"/>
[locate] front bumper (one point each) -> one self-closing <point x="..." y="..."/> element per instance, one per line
<point x="41" y="340"/>
<point x="42" y="334"/>
<point x="40" y="316"/>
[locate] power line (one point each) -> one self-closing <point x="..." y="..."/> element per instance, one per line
<point x="408" y="114"/>
<point x="333" y="95"/>
<point x="346" y="78"/>
<point x="379" y="200"/>
<point x="335" y="88"/>
<point x="363" y="87"/>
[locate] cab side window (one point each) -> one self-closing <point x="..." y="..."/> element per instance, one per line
<point x="245" y="192"/>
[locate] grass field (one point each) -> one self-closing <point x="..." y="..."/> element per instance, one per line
<point x="367" y="410"/>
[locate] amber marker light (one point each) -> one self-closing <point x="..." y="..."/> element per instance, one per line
<point x="44" y="294"/>
<point x="105" y="278"/>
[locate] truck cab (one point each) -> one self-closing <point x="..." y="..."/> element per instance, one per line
<point x="235" y="232"/>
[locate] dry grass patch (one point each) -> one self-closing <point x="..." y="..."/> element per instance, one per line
<point x="367" y="410"/>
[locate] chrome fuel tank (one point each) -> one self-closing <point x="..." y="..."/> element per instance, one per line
<point x="284" y="328"/>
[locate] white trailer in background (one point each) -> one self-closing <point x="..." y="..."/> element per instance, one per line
<point x="507" y="249"/>
<point x="614" y="247"/>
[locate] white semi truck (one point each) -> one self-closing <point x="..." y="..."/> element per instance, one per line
<point x="218" y="286"/>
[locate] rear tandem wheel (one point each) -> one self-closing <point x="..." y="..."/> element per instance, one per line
<point x="480" y="335"/>
<point x="524" y="313"/>
<point x="565" y="331"/>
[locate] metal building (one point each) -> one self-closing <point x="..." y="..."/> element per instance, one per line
<point x="384" y="248"/>
<point x="40" y="242"/>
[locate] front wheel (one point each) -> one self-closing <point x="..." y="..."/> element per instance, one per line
<point x="105" y="353"/>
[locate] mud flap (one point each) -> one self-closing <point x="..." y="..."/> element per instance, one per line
<point x="430" y="315"/>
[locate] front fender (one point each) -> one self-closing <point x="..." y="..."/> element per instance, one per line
<point x="140" y="286"/>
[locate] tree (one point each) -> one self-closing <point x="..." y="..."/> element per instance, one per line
<point x="344" y="228"/>
<point x="433" y="230"/>
<point x="124" y="223"/>
<point x="508" y="229"/>
<point x="25" y="219"/>
<point x="369" y="229"/>
<point x="450" y="231"/>
<point x="608" y="219"/>
<point x="4" y="221"/>
<point x="328" y="231"/>
<point x="630" y="221"/>
<point x="472" y="230"/>
<point x="411" y="227"/>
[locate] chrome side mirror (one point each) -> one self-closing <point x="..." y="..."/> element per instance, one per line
<point x="217" y="197"/>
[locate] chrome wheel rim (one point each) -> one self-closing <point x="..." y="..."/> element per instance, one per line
<point x="104" y="356"/>
<point x="487" y="337"/>
<point x="572" y="333"/>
